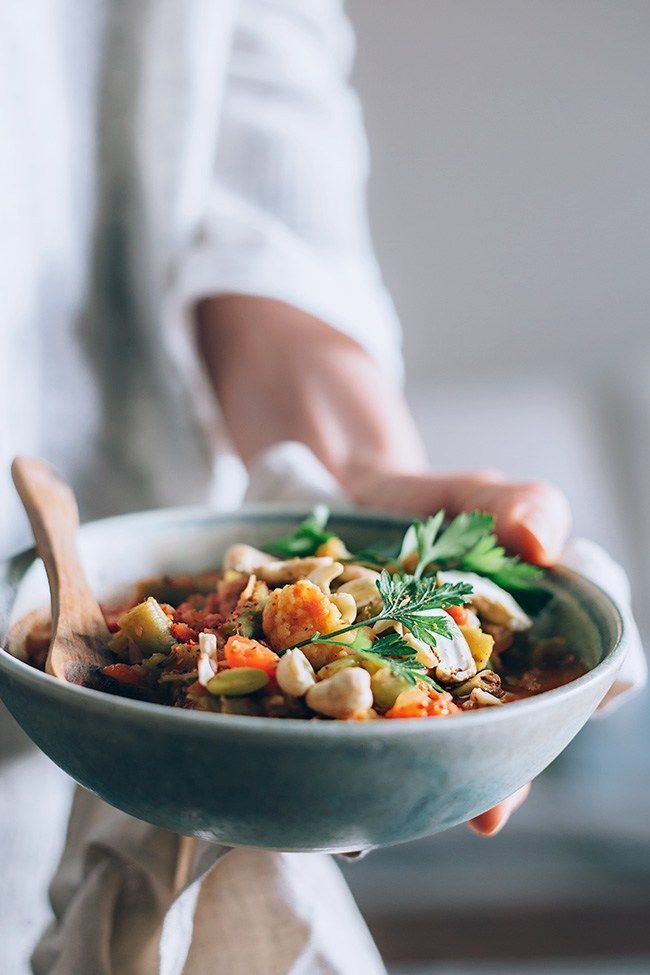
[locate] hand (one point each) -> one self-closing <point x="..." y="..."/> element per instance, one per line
<point x="531" y="519"/>
<point x="328" y="399"/>
<point x="493" y="820"/>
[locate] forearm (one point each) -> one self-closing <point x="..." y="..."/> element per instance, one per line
<point x="280" y="374"/>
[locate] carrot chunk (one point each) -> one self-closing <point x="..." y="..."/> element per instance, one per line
<point x="418" y="702"/>
<point x="124" y="673"/>
<point x="459" y="614"/>
<point x="240" y="651"/>
<point x="184" y="633"/>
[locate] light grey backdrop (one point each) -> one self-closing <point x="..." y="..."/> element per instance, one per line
<point x="509" y="200"/>
<point x="511" y="213"/>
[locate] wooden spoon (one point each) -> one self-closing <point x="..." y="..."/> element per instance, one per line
<point x="79" y="632"/>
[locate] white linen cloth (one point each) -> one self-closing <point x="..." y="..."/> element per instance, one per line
<point x="129" y="897"/>
<point x="153" y="153"/>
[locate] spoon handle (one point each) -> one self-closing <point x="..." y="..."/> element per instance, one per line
<point x="79" y="630"/>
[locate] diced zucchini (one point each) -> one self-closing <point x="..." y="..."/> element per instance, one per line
<point x="339" y="664"/>
<point x="149" y="627"/>
<point x="373" y="663"/>
<point x="386" y="687"/>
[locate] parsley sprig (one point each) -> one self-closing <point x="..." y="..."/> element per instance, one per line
<point x="488" y="558"/>
<point x="388" y="649"/>
<point x="412" y="602"/>
<point x="467" y="543"/>
<point x="392" y="649"/>
<point x="417" y="603"/>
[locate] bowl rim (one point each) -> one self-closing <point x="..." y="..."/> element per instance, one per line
<point x="101" y="701"/>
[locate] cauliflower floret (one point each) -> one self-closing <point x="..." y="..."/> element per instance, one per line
<point x="295" y="613"/>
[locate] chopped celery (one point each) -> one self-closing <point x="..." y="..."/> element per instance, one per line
<point x="154" y="660"/>
<point x="174" y="678"/>
<point x="246" y="618"/>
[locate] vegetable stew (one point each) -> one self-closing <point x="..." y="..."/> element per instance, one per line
<point x="308" y="629"/>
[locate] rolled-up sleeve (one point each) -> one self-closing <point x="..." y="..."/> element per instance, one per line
<point x="286" y="214"/>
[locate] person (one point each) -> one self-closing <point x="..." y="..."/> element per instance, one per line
<point x="191" y="278"/>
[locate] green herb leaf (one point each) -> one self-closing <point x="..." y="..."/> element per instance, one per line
<point x="389" y="649"/>
<point x="392" y="649"/>
<point x="418" y="603"/>
<point x="375" y="556"/>
<point x="307" y="537"/>
<point x="425" y="533"/>
<point x="459" y="537"/>
<point x="410" y="542"/>
<point x="415" y="603"/>
<point x="488" y="558"/>
<point x="467" y="543"/>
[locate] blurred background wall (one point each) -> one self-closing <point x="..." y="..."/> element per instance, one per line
<point x="510" y="205"/>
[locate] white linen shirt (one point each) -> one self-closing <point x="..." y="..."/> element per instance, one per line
<point x="153" y="153"/>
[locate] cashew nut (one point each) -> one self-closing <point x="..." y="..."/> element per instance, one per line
<point x="363" y="590"/>
<point x="353" y="571"/>
<point x="346" y="606"/>
<point x="295" y="674"/>
<point x="342" y="696"/>
<point x="424" y="654"/>
<point x="483" y="699"/>
<point x="323" y="575"/>
<point x="291" y="570"/>
<point x="245" y="558"/>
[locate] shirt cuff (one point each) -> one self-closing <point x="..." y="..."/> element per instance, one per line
<point x="346" y="294"/>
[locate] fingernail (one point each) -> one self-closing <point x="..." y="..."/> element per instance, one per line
<point x="497" y="826"/>
<point x="545" y="532"/>
<point x="490" y="823"/>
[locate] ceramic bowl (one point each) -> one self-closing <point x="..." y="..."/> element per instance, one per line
<point x="280" y="784"/>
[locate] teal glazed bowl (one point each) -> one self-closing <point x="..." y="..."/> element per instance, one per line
<point x="289" y="784"/>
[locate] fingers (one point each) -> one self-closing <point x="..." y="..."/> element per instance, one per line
<point x="493" y="820"/>
<point x="533" y="520"/>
